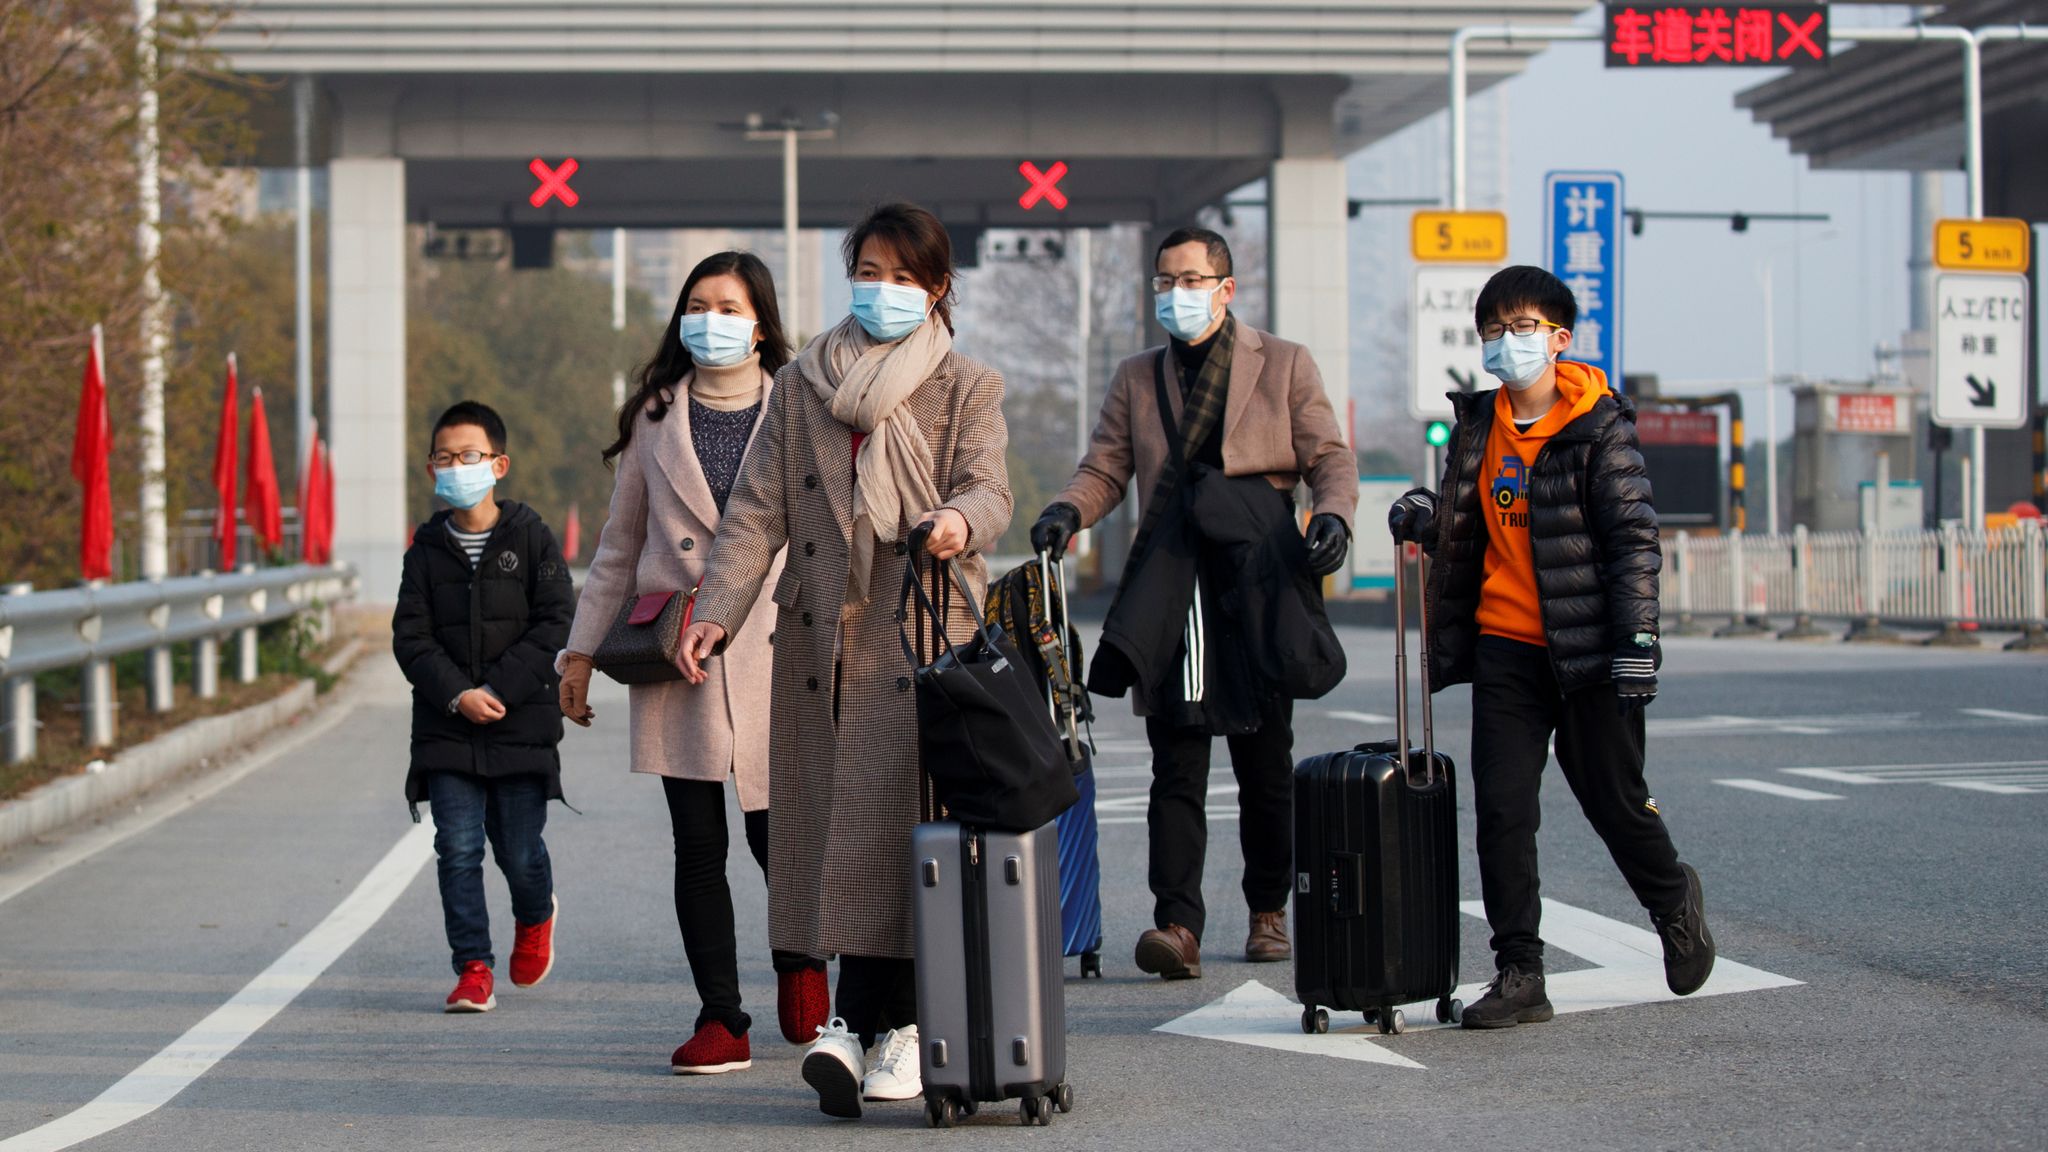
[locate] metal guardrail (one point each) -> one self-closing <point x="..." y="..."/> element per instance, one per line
<point x="1954" y="580"/>
<point x="89" y="626"/>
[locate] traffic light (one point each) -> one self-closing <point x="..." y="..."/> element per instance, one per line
<point x="1438" y="435"/>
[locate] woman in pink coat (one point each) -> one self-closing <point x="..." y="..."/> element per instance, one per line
<point x="681" y="439"/>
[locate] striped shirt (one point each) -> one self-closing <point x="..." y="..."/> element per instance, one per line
<point x="471" y="543"/>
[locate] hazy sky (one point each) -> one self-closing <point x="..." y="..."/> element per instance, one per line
<point x="1692" y="293"/>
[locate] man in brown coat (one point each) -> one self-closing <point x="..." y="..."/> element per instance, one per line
<point x="1244" y="403"/>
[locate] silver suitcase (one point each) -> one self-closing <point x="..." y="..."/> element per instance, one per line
<point x="991" y="993"/>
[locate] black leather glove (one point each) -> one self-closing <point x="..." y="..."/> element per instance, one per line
<point x="1412" y="518"/>
<point x="1635" y="671"/>
<point x="1328" y="541"/>
<point x="1056" y="526"/>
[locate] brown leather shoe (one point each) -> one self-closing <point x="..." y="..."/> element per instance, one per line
<point x="1267" y="942"/>
<point x="1171" y="952"/>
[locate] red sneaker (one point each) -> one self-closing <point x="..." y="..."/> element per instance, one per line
<point x="711" y="1051"/>
<point x="533" y="948"/>
<point x="473" y="991"/>
<point x="802" y="1002"/>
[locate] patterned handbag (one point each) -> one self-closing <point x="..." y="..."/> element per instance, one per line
<point x="645" y="640"/>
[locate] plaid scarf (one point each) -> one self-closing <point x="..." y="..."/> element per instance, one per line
<point x="1199" y="416"/>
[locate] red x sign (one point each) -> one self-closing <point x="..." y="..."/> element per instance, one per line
<point x="1044" y="185"/>
<point x="1800" y="35"/>
<point x="553" y="182"/>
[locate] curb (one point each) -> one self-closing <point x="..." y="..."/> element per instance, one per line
<point x="197" y="745"/>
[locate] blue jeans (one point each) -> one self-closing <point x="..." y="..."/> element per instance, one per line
<point x="510" y="812"/>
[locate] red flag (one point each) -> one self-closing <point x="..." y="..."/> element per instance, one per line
<point x="262" y="506"/>
<point x="572" y="534"/>
<point x="225" y="466"/>
<point x="90" y="443"/>
<point x="326" y="489"/>
<point x="309" y="506"/>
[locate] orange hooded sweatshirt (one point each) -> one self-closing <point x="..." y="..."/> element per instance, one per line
<point x="1508" y="605"/>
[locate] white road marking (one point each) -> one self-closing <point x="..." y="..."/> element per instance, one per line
<point x="1831" y="774"/>
<point x="1629" y="969"/>
<point x="1986" y="786"/>
<point x="2002" y="714"/>
<point x="167" y="801"/>
<point x="1723" y="725"/>
<point x="1928" y="767"/>
<point x="1361" y="717"/>
<point x="171" y="1071"/>
<point x="1785" y="790"/>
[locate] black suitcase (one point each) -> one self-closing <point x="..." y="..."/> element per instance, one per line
<point x="1376" y="869"/>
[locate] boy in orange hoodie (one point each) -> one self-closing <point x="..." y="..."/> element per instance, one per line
<point x="1543" y="596"/>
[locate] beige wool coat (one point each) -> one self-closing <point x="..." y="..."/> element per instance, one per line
<point x="848" y="781"/>
<point x="658" y="538"/>
<point x="1277" y="423"/>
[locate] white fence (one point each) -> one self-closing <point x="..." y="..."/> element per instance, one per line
<point x="1951" y="579"/>
<point x="87" y="627"/>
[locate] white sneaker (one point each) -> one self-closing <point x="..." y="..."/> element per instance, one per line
<point x="834" y="1066"/>
<point x="896" y="1075"/>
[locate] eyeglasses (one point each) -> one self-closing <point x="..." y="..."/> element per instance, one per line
<point x="1522" y="327"/>
<point x="450" y="459"/>
<point x="1188" y="280"/>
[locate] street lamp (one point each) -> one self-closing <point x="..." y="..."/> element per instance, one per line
<point x="788" y="129"/>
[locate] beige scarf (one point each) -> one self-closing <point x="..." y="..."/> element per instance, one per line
<point x="863" y="384"/>
<point x="727" y="389"/>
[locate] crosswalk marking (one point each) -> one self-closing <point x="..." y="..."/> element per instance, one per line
<point x="1785" y="790"/>
<point x="1998" y="777"/>
<point x="1361" y="717"/>
<point x="2002" y="714"/>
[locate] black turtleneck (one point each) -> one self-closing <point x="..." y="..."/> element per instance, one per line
<point x="1190" y="358"/>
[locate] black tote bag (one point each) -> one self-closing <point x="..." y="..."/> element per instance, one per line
<point x="988" y="745"/>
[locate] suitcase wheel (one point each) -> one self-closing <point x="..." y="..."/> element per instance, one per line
<point x="1063" y="1097"/>
<point x="1372" y="1015"/>
<point x="1450" y="1010"/>
<point x="1315" y="1021"/>
<point x="1036" y="1111"/>
<point x="1392" y="1022"/>
<point x="1091" y="965"/>
<point x="941" y="1112"/>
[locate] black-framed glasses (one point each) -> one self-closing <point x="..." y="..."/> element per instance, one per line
<point x="1522" y="327"/>
<point x="1188" y="280"/>
<point x="451" y="459"/>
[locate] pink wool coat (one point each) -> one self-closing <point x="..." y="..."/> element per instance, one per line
<point x="657" y="539"/>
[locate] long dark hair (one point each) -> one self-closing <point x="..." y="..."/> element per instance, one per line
<point x="918" y="240"/>
<point x="672" y="361"/>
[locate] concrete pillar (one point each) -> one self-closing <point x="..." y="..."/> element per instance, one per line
<point x="1309" y="283"/>
<point x="366" y="429"/>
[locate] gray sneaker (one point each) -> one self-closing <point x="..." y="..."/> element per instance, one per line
<point x="1514" y="997"/>
<point x="1688" y="948"/>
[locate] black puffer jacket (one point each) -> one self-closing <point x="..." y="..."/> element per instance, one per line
<point x="1592" y="530"/>
<point x="501" y="626"/>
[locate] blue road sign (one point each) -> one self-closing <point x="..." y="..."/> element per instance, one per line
<point x="1582" y="240"/>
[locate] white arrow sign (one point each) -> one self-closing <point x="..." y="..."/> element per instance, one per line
<point x="1629" y="969"/>
<point x="1443" y="342"/>
<point x="1980" y="350"/>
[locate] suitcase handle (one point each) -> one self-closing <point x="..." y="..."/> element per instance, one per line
<point x="1401" y="665"/>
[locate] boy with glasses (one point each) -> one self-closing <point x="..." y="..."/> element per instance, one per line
<point x="483" y="606"/>
<point x="1543" y="596"/>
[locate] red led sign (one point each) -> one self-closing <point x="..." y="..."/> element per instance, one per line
<point x="554" y="182"/>
<point x="1044" y="185"/>
<point x="1715" y="35"/>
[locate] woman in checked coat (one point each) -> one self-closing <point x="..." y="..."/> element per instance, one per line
<point x="879" y="426"/>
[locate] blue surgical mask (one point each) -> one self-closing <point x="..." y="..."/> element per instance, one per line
<point x="1185" y="312"/>
<point x="1519" y="361"/>
<point x="714" y="339"/>
<point x="464" y="485"/>
<point x="889" y="311"/>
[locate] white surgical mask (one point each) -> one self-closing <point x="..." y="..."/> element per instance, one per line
<point x="889" y="311"/>
<point x="714" y="339"/>
<point x="1186" y="312"/>
<point x="1518" y="361"/>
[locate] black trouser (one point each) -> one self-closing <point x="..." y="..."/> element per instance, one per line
<point x="1515" y="708"/>
<point x="876" y="993"/>
<point x="1179" y="826"/>
<point x="696" y="813"/>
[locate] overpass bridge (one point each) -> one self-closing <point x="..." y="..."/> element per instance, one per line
<point x="429" y="112"/>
